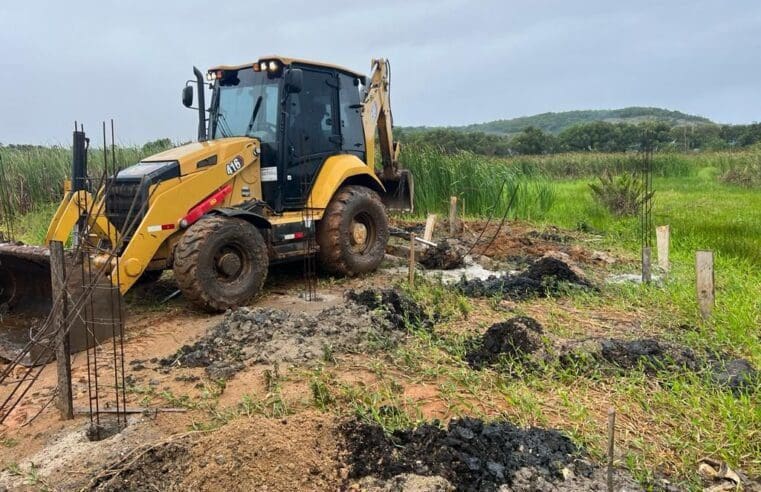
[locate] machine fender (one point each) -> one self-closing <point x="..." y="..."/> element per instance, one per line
<point x="337" y="171"/>
<point x="257" y="220"/>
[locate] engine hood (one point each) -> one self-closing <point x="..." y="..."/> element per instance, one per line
<point x="196" y="156"/>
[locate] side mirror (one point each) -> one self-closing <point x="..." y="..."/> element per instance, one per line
<point x="294" y="80"/>
<point x="187" y="96"/>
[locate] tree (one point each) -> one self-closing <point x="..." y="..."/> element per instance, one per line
<point x="532" y="141"/>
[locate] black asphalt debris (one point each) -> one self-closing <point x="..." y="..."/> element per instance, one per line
<point x="473" y="455"/>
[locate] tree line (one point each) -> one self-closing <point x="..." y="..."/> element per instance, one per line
<point x="596" y="136"/>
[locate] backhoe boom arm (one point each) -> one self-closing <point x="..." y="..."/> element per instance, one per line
<point x="376" y="113"/>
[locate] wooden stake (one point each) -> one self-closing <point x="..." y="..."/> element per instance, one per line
<point x="452" y="215"/>
<point x="430" y="223"/>
<point x="705" y="286"/>
<point x="412" y="261"/>
<point x="662" y="238"/>
<point x="646" y="265"/>
<point x="65" y="401"/>
<point x="611" y="445"/>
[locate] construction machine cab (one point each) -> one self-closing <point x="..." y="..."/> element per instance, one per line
<point x="301" y="114"/>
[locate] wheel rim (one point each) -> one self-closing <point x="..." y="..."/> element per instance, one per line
<point x="231" y="262"/>
<point x="362" y="233"/>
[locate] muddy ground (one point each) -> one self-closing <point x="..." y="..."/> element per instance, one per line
<point x="242" y="387"/>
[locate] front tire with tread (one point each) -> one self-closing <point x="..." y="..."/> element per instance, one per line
<point x="221" y="263"/>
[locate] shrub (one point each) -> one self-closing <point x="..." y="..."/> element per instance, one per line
<point x="621" y="195"/>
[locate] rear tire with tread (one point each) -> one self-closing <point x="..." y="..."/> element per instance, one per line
<point x="221" y="263"/>
<point x="342" y="251"/>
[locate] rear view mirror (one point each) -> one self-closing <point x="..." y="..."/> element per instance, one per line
<point x="294" y="80"/>
<point x="187" y="96"/>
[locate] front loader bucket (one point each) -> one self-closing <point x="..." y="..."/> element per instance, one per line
<point x="26" y="301"/>
<point x="400" y="192"/>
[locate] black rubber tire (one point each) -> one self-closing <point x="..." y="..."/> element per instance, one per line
<point x="197" y="265"/>
<point x="338" y="252"/>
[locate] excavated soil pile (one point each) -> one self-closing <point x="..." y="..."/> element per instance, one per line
<point x="738" y="375"/>
<point x="262" y="335"/>
<point x="653" y="356"/>
<point x="447" y="255"/>
<point x="299" y="452"/>
<point x="650" y="354"/>
<point x="471" y="455"/>
<point x="157" y="468"/>
<point x="544" y="277"/>
<point x="395" y="307"/>
<point x="514" y="338"/>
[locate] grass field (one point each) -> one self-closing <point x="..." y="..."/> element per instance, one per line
<point x="672" y="420"/>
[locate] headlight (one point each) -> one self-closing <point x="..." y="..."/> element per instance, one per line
<point x="263" y="65"/>
<point x="273" y="65"/>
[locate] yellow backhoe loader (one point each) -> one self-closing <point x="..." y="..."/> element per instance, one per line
<point x="285" y="157"/>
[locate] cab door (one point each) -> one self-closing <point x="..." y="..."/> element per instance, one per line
<point x="312" y="134"/>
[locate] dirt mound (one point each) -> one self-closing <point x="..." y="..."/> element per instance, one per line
<point x="447" y="255"/>
<point x="546" y="276"/>
<point x="296" y="453"/>
<point x="261" y="335"/>
<point x="514" y="338"/>
<point x="738" y="375"/>
<point x="650" y="354"/>
<point x="153" y="468"/>
<point x="396" y="307"/>
<point x="469" y="454"/>
<point x="654" y="356"/>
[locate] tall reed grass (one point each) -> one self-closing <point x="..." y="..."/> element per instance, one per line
<point x="34" y="176"/>
<point x="485" y="185"/>
<point x="665" y="164"/>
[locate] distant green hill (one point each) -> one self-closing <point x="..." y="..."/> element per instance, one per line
<point x="557" y="122"/>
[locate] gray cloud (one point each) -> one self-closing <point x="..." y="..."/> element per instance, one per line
<point x="454" y="62"/>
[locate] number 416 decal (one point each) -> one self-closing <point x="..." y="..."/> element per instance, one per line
<point x="234" y="165"/>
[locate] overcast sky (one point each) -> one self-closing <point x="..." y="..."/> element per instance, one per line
<point x="454" y="62"/>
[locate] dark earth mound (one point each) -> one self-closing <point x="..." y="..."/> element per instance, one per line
<point x="447" y="255"/>
<point x="650" y="354"/>
<point x="546" y="276"/>
<point x="657" y="356"/>
<point x="396" y="307"/>
<point x="738" y="375"/>
<point x="471" y="455"/>
<point x="514" y="338"/>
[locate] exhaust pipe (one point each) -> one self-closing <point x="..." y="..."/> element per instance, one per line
<point x="79" y="161"/>
<point x="201" y="105"/>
